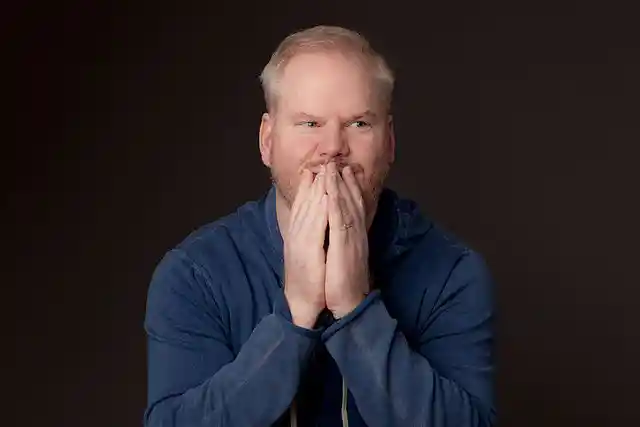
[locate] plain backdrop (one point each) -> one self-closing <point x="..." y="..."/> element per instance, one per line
<point x="517" y="127"/>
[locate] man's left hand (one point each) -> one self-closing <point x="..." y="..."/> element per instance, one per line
<point x="347" y="270"/>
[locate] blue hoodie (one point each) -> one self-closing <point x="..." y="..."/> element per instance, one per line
<point x="223" y="351"/>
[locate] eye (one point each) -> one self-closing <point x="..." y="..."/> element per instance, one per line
<point x="360" y="124"/>
<point x="309" y="124"/>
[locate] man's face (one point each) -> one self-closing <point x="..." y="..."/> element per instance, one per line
<point x="327" y="110"/>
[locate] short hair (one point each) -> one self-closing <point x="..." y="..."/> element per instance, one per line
<point x="324" y="38"/>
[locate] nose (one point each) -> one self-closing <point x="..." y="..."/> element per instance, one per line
<point x="333" y="144"/>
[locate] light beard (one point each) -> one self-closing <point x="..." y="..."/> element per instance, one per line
<point x="285" y="188"/>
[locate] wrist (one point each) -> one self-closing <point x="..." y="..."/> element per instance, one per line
<point x="342" y="310"/>
<point x="303" y="314"/>
<point x="304" y="319"/>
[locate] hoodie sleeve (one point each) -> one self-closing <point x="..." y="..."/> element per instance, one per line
<point x="193" y="377"/>
<point x="446" y="380"/>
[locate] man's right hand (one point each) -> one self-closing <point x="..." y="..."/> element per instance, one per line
<point x="304" y="255"/>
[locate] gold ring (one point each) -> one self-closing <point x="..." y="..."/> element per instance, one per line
<point x="346" y="226"/>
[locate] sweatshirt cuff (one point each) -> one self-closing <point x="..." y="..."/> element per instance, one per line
<point x="282" y="312"/>
<point x="355" y="313"/>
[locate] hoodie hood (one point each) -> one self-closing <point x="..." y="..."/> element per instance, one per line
<point x="397" y="226"/>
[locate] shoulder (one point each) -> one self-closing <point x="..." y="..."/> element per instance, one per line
<point x="211" y="245"/>
<point x="460" y="261"/>
<point x="208" y="251"/>
<point x="445" y="263"/>
<point x="463" y="274"/>
<point x="432" y="243"/>
<point x="193" y="272"/>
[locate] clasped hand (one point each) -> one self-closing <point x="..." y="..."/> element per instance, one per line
<point x="339" y="279"/>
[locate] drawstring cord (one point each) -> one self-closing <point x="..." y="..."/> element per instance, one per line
<point x="345" y="414"/>
<point x="293" y="419"/>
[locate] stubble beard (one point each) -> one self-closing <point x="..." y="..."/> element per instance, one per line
<point x="284" y="186"/>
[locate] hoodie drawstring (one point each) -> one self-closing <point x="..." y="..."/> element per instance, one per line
<point x="345" y="414"/>
<point x="293" y="420"/>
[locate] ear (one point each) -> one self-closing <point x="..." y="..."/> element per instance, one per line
<point x="391" y="139"/>
<point x="266" y="127"/>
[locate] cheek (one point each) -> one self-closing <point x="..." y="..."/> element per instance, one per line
<point x="370" y="154"/>
<point x="295" y="150"/>
<point x="373" y="175"/>
<point x="288" y="161"/>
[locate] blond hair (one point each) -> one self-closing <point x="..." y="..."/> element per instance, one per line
<point x="323" y="38"/>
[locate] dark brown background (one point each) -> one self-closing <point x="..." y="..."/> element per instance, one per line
<point x="517" y="129"/>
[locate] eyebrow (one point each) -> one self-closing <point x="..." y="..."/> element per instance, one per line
<point x="302" y="115"/>
<point x="366" y="114"/>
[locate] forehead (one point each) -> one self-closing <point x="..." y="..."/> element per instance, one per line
<point x="325" y="83"/>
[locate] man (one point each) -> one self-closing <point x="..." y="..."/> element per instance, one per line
<point x="330" y="301"/>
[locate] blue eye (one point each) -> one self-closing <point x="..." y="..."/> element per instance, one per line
<point x="309" y="124"/>
<point x="360" y="124"/>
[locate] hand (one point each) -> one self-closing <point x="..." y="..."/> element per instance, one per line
<point x="304" y="256"/>
<point x="347" y="271"/>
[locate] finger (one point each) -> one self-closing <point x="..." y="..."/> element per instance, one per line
<point x="347" y="207"/>
<point x="304" y="187"/>
<point x="314" y="224"/>
<point x="316" y="194"/>
<point x="350" y="211"/>
<point x="319" y="220"/>
<point x="353" y="186"/>
<point x="323" y="180"/>
<point x="335" y="214"/>
<point x="312" y="197"/>
<point x="332" y="179"/>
